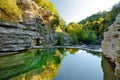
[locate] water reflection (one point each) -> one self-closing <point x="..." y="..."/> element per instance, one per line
<point x="72" y="51"/>
<point x="80" y="66"/>
<point x="108" y="69"/>
<point x="60" y="64"/>
<point x="42" y="64"/>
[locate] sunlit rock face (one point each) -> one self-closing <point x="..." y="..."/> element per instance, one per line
<point x="111" y="44"/>
<point x="33" y="28"/>
<point x="22" y="35"/>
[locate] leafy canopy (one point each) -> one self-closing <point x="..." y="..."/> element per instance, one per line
<point x="46" y="4"/>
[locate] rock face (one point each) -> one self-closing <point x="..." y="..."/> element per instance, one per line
<point x="14" y="38"/>
<point x="111" y="44"/>
<point x="33" y="28"/>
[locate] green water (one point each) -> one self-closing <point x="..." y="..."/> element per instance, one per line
<point x="56" y="64"/>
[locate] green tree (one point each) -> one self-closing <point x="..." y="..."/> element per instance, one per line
<point x="91" y="37"/>
<point x="113" y="13"/>
<point x="97" y="23"/>
<point x="60" y="38"/>
<point x="74" y="39"/>
<point x="62" y="24"/>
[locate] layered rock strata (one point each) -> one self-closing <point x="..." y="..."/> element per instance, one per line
<point x="13" y="38"/>
<point x="33" y="28"/>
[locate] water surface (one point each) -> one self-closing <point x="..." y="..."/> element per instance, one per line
<point x="56" y="64"/>
<point x="80" y="66"/>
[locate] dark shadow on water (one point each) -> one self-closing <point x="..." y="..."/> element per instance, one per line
<point x="108" y="69"/>
<point x="98" y="54"/>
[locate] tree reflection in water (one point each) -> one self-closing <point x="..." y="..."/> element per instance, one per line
<point x="107" y="66"/>
<point x="42" y="64"/>
<point x="31" y="65"/>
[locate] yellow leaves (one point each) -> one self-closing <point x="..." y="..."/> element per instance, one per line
<point x="10" y="8"/>
<point x="74" y="28"/>
<point x="46" y="4"/>
<point x="94" y="22"/>
<point x="57" y="53"/>
<point x="58" y="29"/>
<point x="48" y="73"/>
<point x="73" y="51"/>
<point x="100" y="20"/>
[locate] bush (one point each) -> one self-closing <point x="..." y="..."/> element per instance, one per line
<point x="60" y="37"/>
<point x="46" y="4"/>
<point x="74" y="39"/>
<point x="9" y="10"/>
<point x="91" y="37"/>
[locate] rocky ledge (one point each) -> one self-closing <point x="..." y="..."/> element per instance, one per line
<point x="14" y="38"/>
<point x="33" y="28"/>
<point x="111" y="44"/>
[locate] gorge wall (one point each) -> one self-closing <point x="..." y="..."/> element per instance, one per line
<point x="111" y="44"/>
<point x="33" y="27"/>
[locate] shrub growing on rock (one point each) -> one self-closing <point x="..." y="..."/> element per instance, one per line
<point x="9" y="10"/>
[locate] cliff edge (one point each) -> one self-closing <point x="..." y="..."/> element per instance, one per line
<point x="111" y="44"/>
<point x="24" y="24"/>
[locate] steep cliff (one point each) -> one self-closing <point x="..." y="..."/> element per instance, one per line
<point x="111" y="44"/>
<point x="28" y="25"/>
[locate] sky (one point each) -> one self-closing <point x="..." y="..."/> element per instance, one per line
<point x="76" y="10"/>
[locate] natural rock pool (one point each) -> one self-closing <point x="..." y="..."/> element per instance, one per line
<point x="56" y="64"/>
